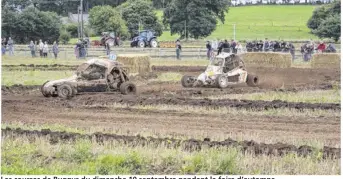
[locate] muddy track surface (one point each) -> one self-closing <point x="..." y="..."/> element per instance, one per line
<point x="253" y="147"/>
<point x="110" y="99"/>
<point x="241" y="104"/>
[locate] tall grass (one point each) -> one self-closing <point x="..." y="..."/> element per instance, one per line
<point x="37" y="156"/>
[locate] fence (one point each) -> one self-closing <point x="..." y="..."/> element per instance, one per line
<point x="155" y="53"/>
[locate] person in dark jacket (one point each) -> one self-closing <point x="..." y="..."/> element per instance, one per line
<point x="220" y="47"/>
<point x="178" y="49"/>
<point x="209" y="50"/>
<point x="226" y="47"/>
<point x="233" y="46"/>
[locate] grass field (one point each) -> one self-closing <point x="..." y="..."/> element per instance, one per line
<point x="259" y="22"/>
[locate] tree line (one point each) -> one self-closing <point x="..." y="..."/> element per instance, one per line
<point x="25" y="20"/>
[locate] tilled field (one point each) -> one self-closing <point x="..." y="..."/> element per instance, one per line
<point x="187" y="116"/>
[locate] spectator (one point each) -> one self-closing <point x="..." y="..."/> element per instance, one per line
<point x="55" y="49"/>
<point x="10" y="46"/>
<point x="4" y="42"/>
<point x="220" y="47"/>
<point x="260" y="46"/>
<point x="331" y="48"/>
<point x="321" y="47"/>
<point x="108" y="48"/>
<point x="291" y="50"/>
<point x="178" y="49"/>
<point x="209" y="50"/>
<point x="3" y="49"/>
<point x="32" y="48"/>
<point x="266" y="45"/>
<point x="239" y="48"/>
<point x="76" y="51"/>
<point x="233" y="46"/>
<point x="41" y="46"/>
<point x="226" y="46"/>
<point x="35" y="48"/>
<point x="45" y="50"/>
<point x="214" y="44"/>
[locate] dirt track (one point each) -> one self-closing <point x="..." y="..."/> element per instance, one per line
<point x="253" y="147"/>
<point x="100" y="112"/>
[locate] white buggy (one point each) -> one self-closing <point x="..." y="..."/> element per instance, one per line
<point x="224" y="70"/>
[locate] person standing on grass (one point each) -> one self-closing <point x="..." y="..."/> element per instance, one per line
<point x="291" y="50"/>
<point x="178" y="49"/>
<point x="233" y="46"/>
<point x="209" y="50"/>
<point x="239" y="48"/>
<point x="45" y="50"/>
<point x="41" y="46"/>
<point x="55" y="49"/>
<point x="32" y="48"/>
<point x="108" y="48"/>
<point x="3" y="49"/>
<point x="10" y="46"/>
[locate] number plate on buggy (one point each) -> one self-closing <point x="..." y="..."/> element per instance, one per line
<point x="210" y="73"/>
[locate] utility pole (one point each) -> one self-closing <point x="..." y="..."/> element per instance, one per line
<point x="186" y="30"/>
<point x="78" y="22"/>
<point x="234" y="32"/>
<point x="81" y="5"/>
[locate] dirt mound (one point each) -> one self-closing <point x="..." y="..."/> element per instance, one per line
<point x="33" y="67"/>
<point x="178" y="68"/>
<point x="18" y="89"/>
<point x="242" y="104"/>
<point x="253" y="147"/>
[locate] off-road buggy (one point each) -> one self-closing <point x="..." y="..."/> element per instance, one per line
<point x="224" y="70"/>
<point x="95" y="75"/>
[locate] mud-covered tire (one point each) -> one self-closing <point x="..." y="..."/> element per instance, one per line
<point x="222" y="81"/>
<point x="185" y="81"/>
<point x="128" y="88"/>
<point x="65" y="91"/>
<point x="252" y="80"/>
<point x="42" y="90"/>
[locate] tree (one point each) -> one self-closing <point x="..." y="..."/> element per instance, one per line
<point x="194" y="18"/>
<point x="330" y="28"/>
<point x="72" y="30"/>
<point x="64" y="37"/>
<point x="140" y="14"/>
<point x="107" y="19"/>
<point x="325" y="21"/>
<point x="8" y="19"/>
<point x="31" y="24"/>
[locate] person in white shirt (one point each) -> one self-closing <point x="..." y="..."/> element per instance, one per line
<point x="45" y="50"/>
<point x="239" y="48"/>
<point x="41" y="46"/>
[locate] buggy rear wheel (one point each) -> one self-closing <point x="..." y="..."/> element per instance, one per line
<point x="252" y="80"/>
<point x="128" y="88"/>
<point x="222" y="81"/>
<point x="187" y="81"/>
<point x="65" y="91"/>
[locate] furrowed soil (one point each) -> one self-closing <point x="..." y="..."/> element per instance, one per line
<point x="149" y="112"/>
